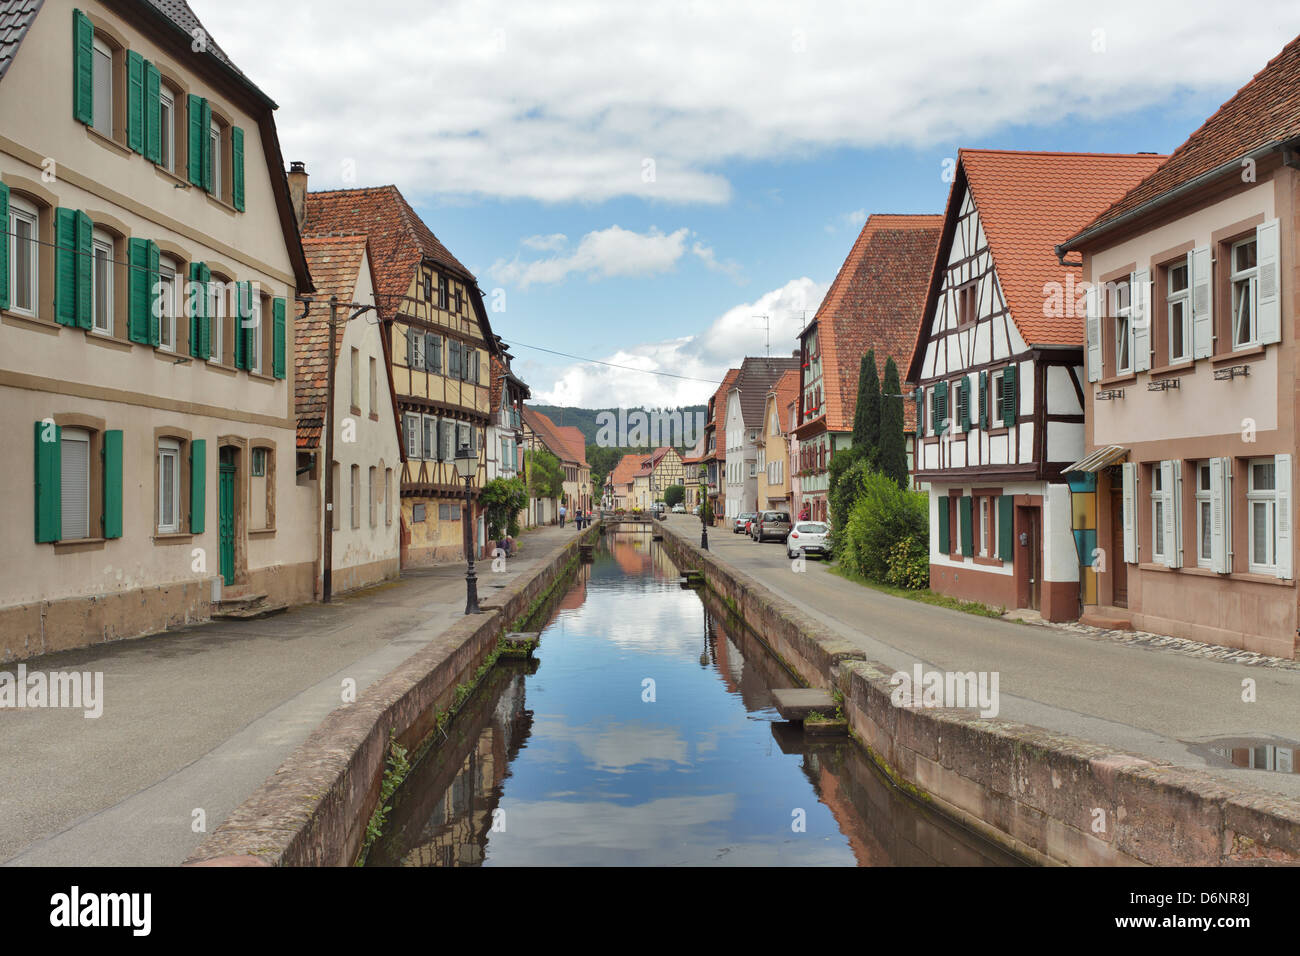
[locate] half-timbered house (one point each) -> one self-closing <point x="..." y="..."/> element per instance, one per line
<point x="1187" y="484"/>
<point x="440" y="341"/>
<point x="999" y="364"/>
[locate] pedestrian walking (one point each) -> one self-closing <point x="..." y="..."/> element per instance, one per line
<point x="562" y="514"/>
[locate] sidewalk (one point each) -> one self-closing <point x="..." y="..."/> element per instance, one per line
<point x="1138" y="697"/>
<point x="195" y="719"/>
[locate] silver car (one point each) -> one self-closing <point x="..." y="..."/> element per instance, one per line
<point x="808" y="537"/>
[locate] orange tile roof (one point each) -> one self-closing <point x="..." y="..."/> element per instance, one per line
<point x="576" y="442"/>
<point x="399" y="238"/>
<point x="565" y="442"/>
<point x="334" y="262"/>
<point x="1027" y="201"/>
<point x="876" y="302"/>
<point x="625" y="470"/>
<point x="1264" y="112"/>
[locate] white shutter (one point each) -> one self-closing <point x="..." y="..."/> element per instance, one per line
<point x="1093" y="329"/>
<point x="1130" y="512"/>
<point x="1170" y="479"/>
<point x="1140" y="321"/>
<point x="1282" y="468"/>
<point x="1201" y="281"/>
<point x="1270" y="298"/>
<point x="1218" y="516"/>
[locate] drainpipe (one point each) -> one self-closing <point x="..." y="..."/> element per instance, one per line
<point x="327" y="573"/>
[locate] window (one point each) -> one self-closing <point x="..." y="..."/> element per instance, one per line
<point x="430" y="438"/>
<point x="167" y="128"/>
<point x="354" y="370"/>
<point x="259" y="462"/>
<point x="214" y="138"/>
<point x="985" y="534"/>
<point x="1261" y="500"/>
<point x="24" y="233"/>
<point x="413" y="445"/>
<point x="103" y="87"/>
<point x="169" y="486"/>
<point x="1123" y="328"/>
<point x="966" y="300"/>
<point x="75" y="480"/>
<point x="167" y="310"/>
<point x="373" y="495"/>
<point x="255" y="339"/>
<point x="414" y="348"/>
<point x="1244" y="282"/>
<point x="1180" y="313"/>
<point x="374" y="387"/>
<point x="997" y="387"/>
<point x="101" y="282"/>
<point x="356" y="496"/>
<point x="1204" y="516"/>
<point x="217" y="317"/>
<point x="442" y="292"/>
<point x="1157" y="512"/>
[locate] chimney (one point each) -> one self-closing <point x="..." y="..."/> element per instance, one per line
<point x="298" y="191"/>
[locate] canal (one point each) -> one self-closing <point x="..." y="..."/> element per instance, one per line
<point x="644" y="734"/>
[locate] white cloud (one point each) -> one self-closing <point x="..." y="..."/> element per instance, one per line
<point x="602" y="254"/>
<point x="854" y="220"/>
<point x="566" y="101"/>
<point x="738" y="332"/>
<point x="552" y="243"/>
<point x="710" y="259"/>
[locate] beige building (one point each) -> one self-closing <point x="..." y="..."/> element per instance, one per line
<point x="146" y="305"/>
<point x="568" y="445"/>
<point x="774" y="451"/>
<point x="366" y="525"/>
<point x="439" y="342"/>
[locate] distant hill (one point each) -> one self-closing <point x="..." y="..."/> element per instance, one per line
<point x="585" y="418"/>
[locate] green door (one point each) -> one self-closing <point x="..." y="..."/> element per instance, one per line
<point x="226" y="519"/>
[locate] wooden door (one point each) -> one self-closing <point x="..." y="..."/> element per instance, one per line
<point x="226" y="519"/>
<point x="1035" y="549"/>
<point x="1115" y="556"/>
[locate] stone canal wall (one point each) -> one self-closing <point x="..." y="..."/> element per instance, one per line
<point x="1037" y="793"/>
<point x="313" y="811"/>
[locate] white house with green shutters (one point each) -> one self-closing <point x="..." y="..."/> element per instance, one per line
<point x="147" y="289"/>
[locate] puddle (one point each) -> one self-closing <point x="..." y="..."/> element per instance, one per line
<point x="1273" y="754"/>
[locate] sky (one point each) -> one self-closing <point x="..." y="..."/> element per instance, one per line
<point x="671" y="187"/>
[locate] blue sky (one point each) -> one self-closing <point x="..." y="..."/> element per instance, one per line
<point x="523" y="137"/>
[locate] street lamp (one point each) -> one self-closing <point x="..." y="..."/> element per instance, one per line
<point x="704" y="506"/>
<point x="467" y="468"/>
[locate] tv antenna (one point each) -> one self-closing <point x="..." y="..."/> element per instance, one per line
<point x="767" y="333"/>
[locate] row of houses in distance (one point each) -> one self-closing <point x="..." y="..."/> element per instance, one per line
<point x="168" y="299"/>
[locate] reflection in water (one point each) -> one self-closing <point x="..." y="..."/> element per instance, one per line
<point x="1279" y="756"/>
<point x="647" y="736"/>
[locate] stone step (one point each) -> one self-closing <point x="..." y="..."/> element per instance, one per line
<point x="245" y="612"/>
<point x="796" y="703"/>
<point x="1107" y="619"/>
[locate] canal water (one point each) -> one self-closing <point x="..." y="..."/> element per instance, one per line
<point x="644" y="734"/>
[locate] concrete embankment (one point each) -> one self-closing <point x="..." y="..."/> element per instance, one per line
<point x="1048" y="797"/>
<point x="314" y="810"/>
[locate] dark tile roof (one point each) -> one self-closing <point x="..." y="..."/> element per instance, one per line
<point x="1263" y="112"/>
<point x="756" y="378"/>
<point x="16" y="16"/>
<point x="179" y="13"/>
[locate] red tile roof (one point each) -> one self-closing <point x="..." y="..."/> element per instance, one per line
<point x="876" y="302"/>
<point x="625" y="470"/>
<point x="1264" y="112"/>
<point x="565" y="442"/>
<point x="334" y="263"/>
<point x="576" y="442"/>
<point x="399" y="239"/>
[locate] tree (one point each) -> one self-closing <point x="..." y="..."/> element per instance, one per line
<point x="674" y="495"/>
<point x="502" y="500"/>
<point x="848" y="471"/>
<point x="891" y="456"/>
<point x="866" y="420"/>
<point x="545" y="475"/>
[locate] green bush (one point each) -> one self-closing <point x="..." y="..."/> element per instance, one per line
<point x="883" y="516"/>
<point x="908" y="565"/>
<point x="849" y="468"/>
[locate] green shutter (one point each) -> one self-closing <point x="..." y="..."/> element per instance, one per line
<point x="1009" y="395"/>
<point x="196" y="303"/>
<point x="83" y="68"/>
<point x="139" y="299"/>
<point x="243" y="337"/>
<point x="206" y="318"/>
<point x="152" y="113"/>
<point x="49" y="485"/>
<point x="4" y="247"/>
<point x="944" y="540"/>
<point x="237" y="167"/>
<point x="152" y="277"/>
<point x="941" y="408"/>
<point x="1006" y="512"/>
<point x="85" y="270"/>
<point x="198" y="138"/>
<point x="965" y="405"/>
<point x="278" y="310"/>
<point x="206" y="139"/>
<point x="198" y="484"/>
<point x="135" y="101"/>
<point x="112" y="484"/>
<point x="984" y="400"/>
<point x="964" y="504"/>
<point x="65" y="266"/>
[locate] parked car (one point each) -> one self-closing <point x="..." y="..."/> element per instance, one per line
<point x="808" y="537"/>
<point x="740" y="525"/>
<point x="770" y="526"/>
<point x="679" y="509"/>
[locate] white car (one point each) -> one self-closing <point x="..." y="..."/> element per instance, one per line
<point x="679" y="509"/>
<point x="808" y="537"/>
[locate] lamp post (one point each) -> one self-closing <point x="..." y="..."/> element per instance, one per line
<point x="467" y="468"/>
<point x="704" y="507"/>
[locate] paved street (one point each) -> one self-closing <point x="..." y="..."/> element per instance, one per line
<point x="1148" y="701"/>
<point x="198" y="718"/>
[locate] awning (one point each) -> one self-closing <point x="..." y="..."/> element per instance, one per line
<point x="1099" y="459"/>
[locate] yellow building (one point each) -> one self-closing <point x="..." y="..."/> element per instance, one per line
<point x="440" y="341"/>
<point x="774" y="453"/>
